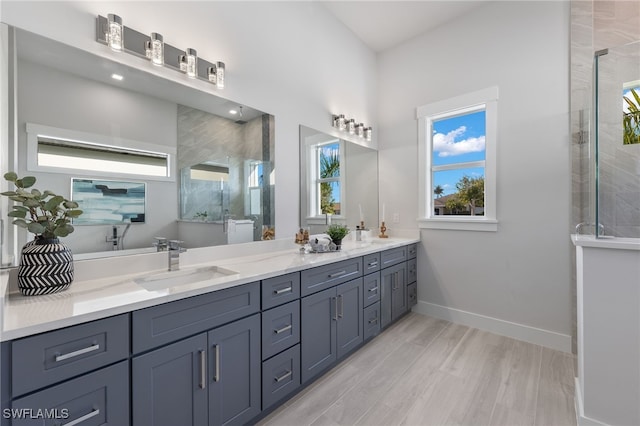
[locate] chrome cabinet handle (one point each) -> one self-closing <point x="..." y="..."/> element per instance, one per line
<point x="78" y="352"/>
<point x="374" y="263"/>
<point x="203" y="369"/>
<point x="284" y="376"/>
<point x="283" y="290"/>
<point x="341" y="311"/>
<point x="283" y="329"/>
<point x="335" y="306"/>
<point x="373" y="321"/>
<point x="83" y="418"/>
<point x="216" y="376"/>
<point x="374" y="289"/>
<point x="337" y="274"/>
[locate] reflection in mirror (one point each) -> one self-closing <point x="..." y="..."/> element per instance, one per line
<point x="218" y="188"/>
<point x="338" y="182"/>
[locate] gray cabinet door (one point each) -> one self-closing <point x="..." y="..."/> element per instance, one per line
<point x="234" y="372"/>
<point x="393" y="299"/>
<point x="280" y="328"/>
<point x="168" y="384"/>
<point x="318" y="333"/>
<point x="349" y="331"/>
<point x="399" y="291"/>
<point x="386" y="283"/>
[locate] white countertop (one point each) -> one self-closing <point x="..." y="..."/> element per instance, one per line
<point x="98" y="293"/>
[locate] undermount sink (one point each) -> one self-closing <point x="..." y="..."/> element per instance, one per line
<point x="163" y="280"/>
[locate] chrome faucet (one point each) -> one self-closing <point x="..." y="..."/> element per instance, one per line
<point x="174" y="254"/>
<point x="161" y="244"/>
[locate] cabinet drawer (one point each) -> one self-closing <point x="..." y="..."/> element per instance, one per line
<point x="98" y="398"/>
<point x="412" y="251"/>
<point x="58" y="355"/>
<point x="412" y="294"/>
<point x="371" y="320"/>
<point x="322" y="277"/>
<point x="173" y="321"/>
<point x="412" y="270"/>
<point x="279" y="290"/>
<point x="371" y="292"/>
<point x="371" y="263"/>
<point x="280" y="376"/>
<point x="393" y="256"/>
<point x="280" y="328"/>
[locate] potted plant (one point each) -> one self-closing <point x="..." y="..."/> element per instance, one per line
<point x="337" y="233"/>
<point x="46" y="265"/>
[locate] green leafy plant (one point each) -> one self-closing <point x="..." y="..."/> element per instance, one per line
<point x="44" y="214"/>
<point x="201" y="215"/>
<point x="631" y="119"/>
<point x="337" y="232"/>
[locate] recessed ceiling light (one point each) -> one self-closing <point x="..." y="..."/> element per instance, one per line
<point x="233" y="111"/>
<point x="117" y="77"/>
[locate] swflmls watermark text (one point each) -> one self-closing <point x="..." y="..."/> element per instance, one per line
<point x="36" y="413"/>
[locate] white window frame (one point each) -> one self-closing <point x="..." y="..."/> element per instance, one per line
<point x="314" y="217"/>
<point x="34" y="131"/>
<point x="487" y="100"/>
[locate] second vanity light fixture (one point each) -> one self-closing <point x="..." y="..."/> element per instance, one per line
<point x="341" y="123"/>
<point x="111" y="32"/>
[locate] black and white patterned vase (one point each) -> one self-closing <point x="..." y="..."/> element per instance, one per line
<point x="46" y="266"/>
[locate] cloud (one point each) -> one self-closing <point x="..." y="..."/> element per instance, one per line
<point x="447" y="146"/>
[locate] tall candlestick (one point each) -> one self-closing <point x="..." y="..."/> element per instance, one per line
<point x="383" y="209"/>
<point x="361" y="215"/>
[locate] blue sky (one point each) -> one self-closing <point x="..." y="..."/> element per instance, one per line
<point x="457" y="140"/>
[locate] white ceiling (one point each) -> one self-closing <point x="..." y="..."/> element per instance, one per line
<point x="385" y="24"/>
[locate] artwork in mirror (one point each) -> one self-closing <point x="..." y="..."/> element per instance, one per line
<point x="338" y="182"/>
<point x="108" y="202"/>
<point x="72" y="93"/>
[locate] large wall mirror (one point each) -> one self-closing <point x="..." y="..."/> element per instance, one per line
<point x="177" y="162"/>
<point x="338" y="182"/>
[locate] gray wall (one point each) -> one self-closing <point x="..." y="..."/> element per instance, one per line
<point x="49" y="97"/>
<point x="517" y="280"/>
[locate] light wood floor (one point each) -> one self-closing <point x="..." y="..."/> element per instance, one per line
<point x="425" y="371"/>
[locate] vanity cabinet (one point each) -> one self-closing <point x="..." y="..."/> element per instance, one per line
<point x="215" y="372"/>
<point x="212" y="378"/>
<point x="219" y="358"/>
<point x="331" y="326"/>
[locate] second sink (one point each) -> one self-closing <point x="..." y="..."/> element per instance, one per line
<point x="163" y="280"/>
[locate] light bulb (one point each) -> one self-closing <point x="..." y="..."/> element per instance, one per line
<point x="367" y="133"/>
<point x="342" y="124"/>
<point x="360" y="130"/>
<point x="114" y="33"/>
<point x="155" y="49"/>
<point x="192" y="63"/>
<point x="351" y="126"/>
<point x="220" y="75"/>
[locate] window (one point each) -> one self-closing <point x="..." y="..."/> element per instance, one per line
<point x="326" y="175"/>
<point x="457" y="162"/>
<point x="61" y="151"/>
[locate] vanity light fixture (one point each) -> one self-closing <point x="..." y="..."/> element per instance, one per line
<point x="114" y="32"/>
<point x="111" y="32"/>
<point x="360" y="130"/>
<point x="342" y="123"/>
<point x="154" y="49"/>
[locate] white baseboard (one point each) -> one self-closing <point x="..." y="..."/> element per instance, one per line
<point x="538" y="336"/>
<point x="580" y="417"/>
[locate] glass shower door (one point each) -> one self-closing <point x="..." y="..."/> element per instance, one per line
<point x="617" y="140"/>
